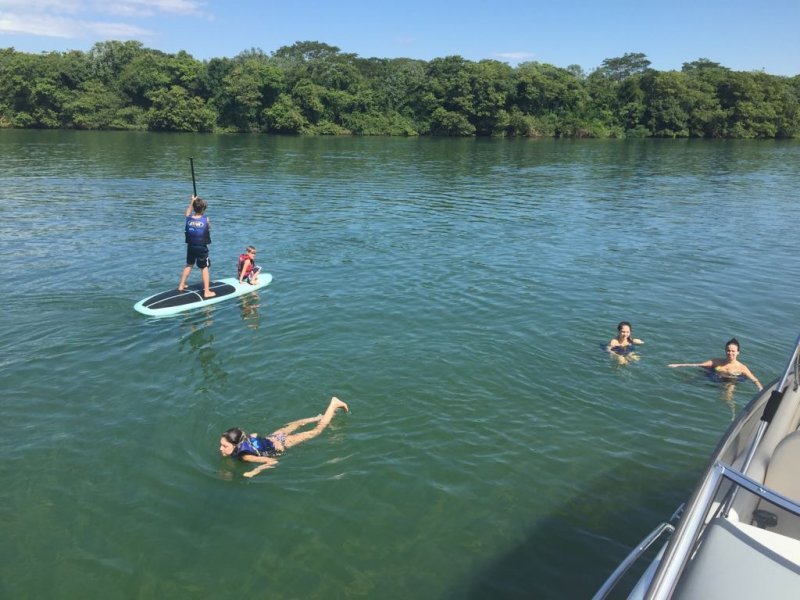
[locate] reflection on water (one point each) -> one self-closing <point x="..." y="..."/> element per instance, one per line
<point x="198" y="339"/>
<point x="249" y="305"/>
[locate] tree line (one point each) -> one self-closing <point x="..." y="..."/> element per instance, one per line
<point x="314" y="88"/>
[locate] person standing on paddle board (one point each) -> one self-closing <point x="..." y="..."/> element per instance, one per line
<point x="198" y="236"/>
<point x="263" y="450"/>
<point x="726" y="368"/>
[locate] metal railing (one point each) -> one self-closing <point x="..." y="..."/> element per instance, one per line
<point x="683" y="543"/>
<point x="631" y="559"/>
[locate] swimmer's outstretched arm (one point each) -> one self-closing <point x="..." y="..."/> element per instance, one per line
<point x="266" y="463"/>
<point x="707" y="364"/>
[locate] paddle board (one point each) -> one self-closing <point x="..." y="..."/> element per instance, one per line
<point x="172" y="302"/>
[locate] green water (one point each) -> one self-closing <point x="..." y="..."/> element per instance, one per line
<point x="456" y="293"/>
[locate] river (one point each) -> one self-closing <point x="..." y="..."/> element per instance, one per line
<point x="456" y="293"/>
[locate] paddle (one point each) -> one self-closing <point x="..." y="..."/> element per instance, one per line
<point x="194" y="184"/>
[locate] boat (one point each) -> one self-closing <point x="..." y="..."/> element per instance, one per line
<point x="738" y="535"/>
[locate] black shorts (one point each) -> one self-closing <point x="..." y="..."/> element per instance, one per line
<point x="198" y="255"/>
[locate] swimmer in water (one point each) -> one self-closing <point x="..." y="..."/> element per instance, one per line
<point x="622" y="346"/>
<point x="623" y="341"/>
<point x="263" y="450"/>
<point x="728" y="367"/>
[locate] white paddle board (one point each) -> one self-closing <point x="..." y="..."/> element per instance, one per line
<point x="172" y="301"/>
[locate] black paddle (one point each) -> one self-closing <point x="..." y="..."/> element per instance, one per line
<point x="194" y="184"/>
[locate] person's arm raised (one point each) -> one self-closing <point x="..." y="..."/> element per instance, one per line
<point x="190" y="208"/>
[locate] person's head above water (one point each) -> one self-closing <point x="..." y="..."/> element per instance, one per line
<point x="624" y="328"/>
<point x="230" y="439"/>
<point x="732" y="348"/>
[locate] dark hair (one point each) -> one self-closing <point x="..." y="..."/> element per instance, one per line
<point x="199" y="205"/>
<point x="234" y="435"/>
<point x="733" y="341"/>
<point x="621" y="325"/>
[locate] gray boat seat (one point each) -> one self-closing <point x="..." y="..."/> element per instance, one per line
<point x="737" y="560"/>
<point x="783" y="476"/>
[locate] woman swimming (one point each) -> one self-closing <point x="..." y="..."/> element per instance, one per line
<point x="726" y="368"/>
<point x="622" y="346"/>
<point x="263" y="450"/>
<point x="623" y="342"/>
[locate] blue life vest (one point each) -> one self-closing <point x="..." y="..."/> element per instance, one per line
<point x="197" y="231"/>
<point x="256" y="446"/>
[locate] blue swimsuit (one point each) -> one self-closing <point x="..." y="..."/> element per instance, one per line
<point x="623" y="349"/>
<point x="259" y="446"/>
<point x="255" y="446"/>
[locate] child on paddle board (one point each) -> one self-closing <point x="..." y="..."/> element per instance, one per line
<point x="263" y="450"/>
<point x="198" y="235"/>
<point x="247" y="269"/>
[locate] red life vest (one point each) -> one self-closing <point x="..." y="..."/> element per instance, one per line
<point x="242" y="259"/>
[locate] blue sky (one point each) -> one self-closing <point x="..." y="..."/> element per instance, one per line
<point x="736" y="33"/>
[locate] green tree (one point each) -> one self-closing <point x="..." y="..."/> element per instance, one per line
<point x="491" y="88"/>
<point x="174" y="109"/>
<point x="447" y="96"/>
<point x="251" y="85"/>
<point x="302" y="59"/>
<point x="749" y="112"/>
<point x="211" y="83"/>
<point x="284" y="116"/>
<point x="447" y="122"/>
<point x="314" y="88"/>
<point x="108" y="59"/>
<point x="94" y="106"/>
<point x="390" y="97"/>
<point x="146" y="73"/>
<point x="398" y="85"/>
<point x="557" y="98"/>
<point x="308" y="97"/>
<point x="603" y="110"/>
<point x="668" y="103"/>
<point x="631" y="63"/>
<point x="35" y="88"/>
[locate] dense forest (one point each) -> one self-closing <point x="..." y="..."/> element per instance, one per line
<point x="314" y="88"/>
